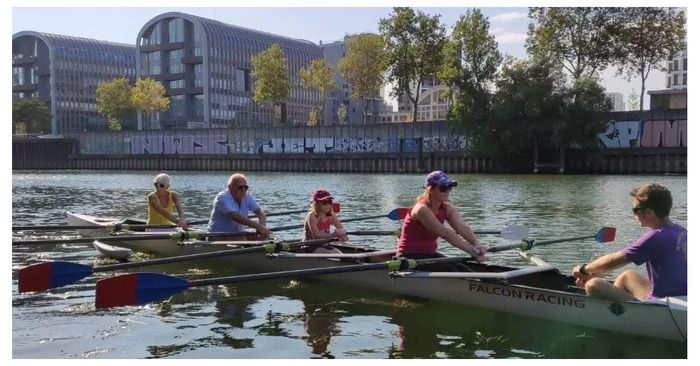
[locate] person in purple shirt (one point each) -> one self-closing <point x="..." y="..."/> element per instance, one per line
<point x="663" y="250"/>
<point x="232" y="206"/>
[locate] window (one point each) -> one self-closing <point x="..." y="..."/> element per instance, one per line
<point x="685" y="79"/>
<point x="668" y="83"/>
<point x="675" y="65"/>
<point x="685" y="64"/>
<point x="675" y="79"/>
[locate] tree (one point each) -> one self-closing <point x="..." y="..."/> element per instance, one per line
<point x="148" y="96"/>
<point x="318" y="78"/>
<point x="584" y="114"/>
<point x="633" y="101"/>
<point x="272" y="76"/>
<point x="114" y="100"/>
<point x="363" y="67"/>
<point x="580" y="38"/>
<point x="414" y="42"/>
<point x="342" y="114"/>
<point x="644" y="39"/>
<point x="30" y="115"/>
<point x="472" y="60"/>
<point x="313" y="118"/>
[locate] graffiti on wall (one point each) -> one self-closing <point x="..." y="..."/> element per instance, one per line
<point x="650" y="133"/>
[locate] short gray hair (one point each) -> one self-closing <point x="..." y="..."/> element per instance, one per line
<point x="234" y="177"/>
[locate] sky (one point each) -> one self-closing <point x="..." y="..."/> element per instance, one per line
<point x="122" y="24"/>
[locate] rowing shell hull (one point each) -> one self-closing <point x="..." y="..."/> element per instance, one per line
<point x="666" y="318"/>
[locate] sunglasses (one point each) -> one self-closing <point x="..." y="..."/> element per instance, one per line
<point x="242" y="188"/>
<point x="636" y="210"/>
<point x="327" y="202"/>
<point x="161" y="185"/>
<point x="444" y="189"/>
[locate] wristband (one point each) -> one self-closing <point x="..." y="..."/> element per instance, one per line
<point x="583" y="270"/>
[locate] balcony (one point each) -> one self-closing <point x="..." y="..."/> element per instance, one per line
<point x="192" y="59"/>
<point x="168" y="77"/>
<point x="24" y="87"/>
<point x="188" y="90"/>
<point x="19" y="61"/>
<point x="163" y="47"/>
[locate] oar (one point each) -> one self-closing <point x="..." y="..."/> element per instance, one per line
<point x="48" y="275"/>
<point x="175" y="236"/>
<point x="510" y="232"/>
<point x="118" y="226"/>
<point x="141" y="288"/>
<point x="395" y="214"/>
<point x="604" y="235"/>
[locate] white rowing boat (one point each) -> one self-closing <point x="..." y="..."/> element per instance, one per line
<point x="538" y="291"/>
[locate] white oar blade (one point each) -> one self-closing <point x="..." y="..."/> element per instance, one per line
<point x="515" y="232"/>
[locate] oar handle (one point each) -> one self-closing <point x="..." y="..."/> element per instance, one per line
<point x="487" y="232"/>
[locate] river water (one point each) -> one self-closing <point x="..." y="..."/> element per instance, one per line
<point x="311" y="318"/>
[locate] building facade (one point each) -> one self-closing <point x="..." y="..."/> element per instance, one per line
<point x="617" y="100"/>
<point x="332" y="53"/>
<point x="205" y="66"/>
<point x="64" y="71"/>
<point x="677" y="73"/>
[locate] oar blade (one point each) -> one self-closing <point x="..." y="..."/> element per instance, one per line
<point x="399" y="213"/>
<point x="605" y="235"/>
<point x="137" y="289"/>
<point x="336" y="207"/>
<point x="515" y="232"/>
<point x="48" y="275"/>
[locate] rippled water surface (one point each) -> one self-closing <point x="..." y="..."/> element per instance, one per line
<point x="311" y="318"/>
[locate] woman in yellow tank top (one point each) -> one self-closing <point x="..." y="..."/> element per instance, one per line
<point x="160" y="204"/>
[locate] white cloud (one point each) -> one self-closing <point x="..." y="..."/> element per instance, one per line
<point x="510" y="37"/>
<point x="507" y="17"/>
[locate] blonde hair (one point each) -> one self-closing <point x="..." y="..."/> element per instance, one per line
<point x="162" y="178"/>
<point x="425" y="196"/>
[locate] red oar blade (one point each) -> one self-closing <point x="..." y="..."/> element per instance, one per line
<point x="136" y="289"/>
<point x="399" y="213"/>
<point x="606" y="234"/>
<point x="336" y="207"/>
<point x="47" y="275"/>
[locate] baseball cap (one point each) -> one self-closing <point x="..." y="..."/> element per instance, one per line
<point x="321" y="195"/>
<point x="439" y="177"/>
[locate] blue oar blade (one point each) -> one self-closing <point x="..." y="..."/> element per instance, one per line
<point x="606" y="234"/>
<point x="399" y="213"/>
<point x="137" y="289"/>
<point x="47" y="275"/>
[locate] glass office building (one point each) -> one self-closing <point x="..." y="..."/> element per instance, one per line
<point x="64" y="71"/>
<point x="205" y="67"/>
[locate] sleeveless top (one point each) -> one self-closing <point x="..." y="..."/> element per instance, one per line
<point x="155" y="218"/>
<point x="324" y="226"/>
<point x="415" y="238"/>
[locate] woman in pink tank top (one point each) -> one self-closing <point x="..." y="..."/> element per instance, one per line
<point x="319" y="220"/>
<point x="425" y="223"/>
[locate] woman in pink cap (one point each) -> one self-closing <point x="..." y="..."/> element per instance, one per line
<point x="319" y="220"/>
<point x="425" y="223"/>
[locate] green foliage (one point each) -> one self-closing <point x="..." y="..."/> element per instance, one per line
<point x="532" y="105"/>
<point x="414" y="43"/>
<point x="30" y="115"/>
<point x="363" y="67"/>
<point x="633" y="101"/>
<point x="472" y="60"/>
<point x="272" y="76"/>
<point x="318" y="78"/>
<point x="149" y="97"/>
<point x="580" y="38"/>
<point x="114" y="100"/>
<point x="644" y="39"/>
<point x="313" y="118"/>
<point x="342" y="114"/>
